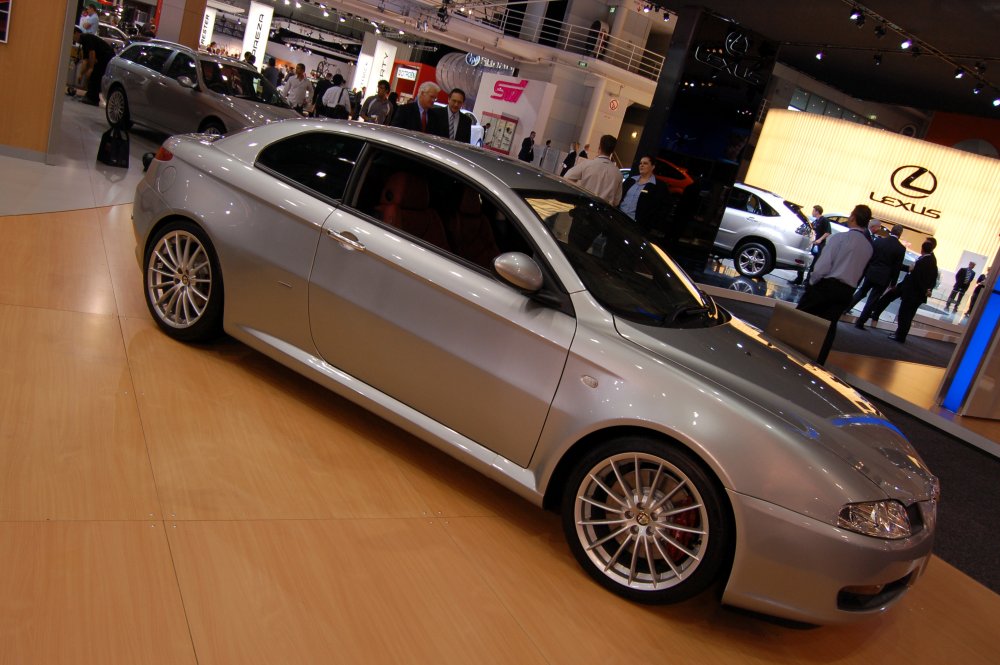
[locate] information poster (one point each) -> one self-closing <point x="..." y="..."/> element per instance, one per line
<point x="498" y="131"/>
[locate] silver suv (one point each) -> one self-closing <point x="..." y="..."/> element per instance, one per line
<point x="762" y="231"/>
<point x="177" y="90"/>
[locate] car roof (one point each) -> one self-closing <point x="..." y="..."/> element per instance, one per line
<point x="200" y="55"/>
<point x="462" y="157"/>
<point x="757" y="190"/>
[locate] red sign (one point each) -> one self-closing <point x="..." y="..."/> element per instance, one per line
<point x="614" y="105"/>
<point x="509" y="91"/>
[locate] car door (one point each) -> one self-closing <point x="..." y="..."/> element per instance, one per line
<point x="418" y="322"/>
<point x="141" y="77"/>
<point x="172" y="106"/>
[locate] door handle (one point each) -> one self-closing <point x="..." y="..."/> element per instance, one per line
<point x="346" y="239"/>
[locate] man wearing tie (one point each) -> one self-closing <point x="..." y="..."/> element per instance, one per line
<point x="416" y="115"/>
<point x="449" y="121"/>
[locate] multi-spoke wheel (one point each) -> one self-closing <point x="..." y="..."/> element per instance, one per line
<point x="753" y="259"/>
<point x="183" y="283"/>
<point x="645" y="521"/>
<point x="116" y="108"/>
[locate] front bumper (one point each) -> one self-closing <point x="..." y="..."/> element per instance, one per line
<point x="795" y="567"/>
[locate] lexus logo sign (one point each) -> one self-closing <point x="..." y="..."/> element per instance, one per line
<point x="914" y="182"/>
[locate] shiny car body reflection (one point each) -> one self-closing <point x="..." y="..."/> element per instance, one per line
<point x="518" y="323"/>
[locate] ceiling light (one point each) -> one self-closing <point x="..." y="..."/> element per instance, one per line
<point x="978" y="89"/>
<point x="646" y="9"/>
<point x="325" y="13"/>
<point x="343" y="20"/>
<point x="880" y="30"/>
<point x="819" y="55"/>
<point x="959" y="73"/>
<point x="907" y="43"/>
<point x="877" y="58"/>
<point x="666" y="16"/>
<point x="856" y="14"/>
<point x="996" y="102"/>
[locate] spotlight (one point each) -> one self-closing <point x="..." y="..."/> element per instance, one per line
<point x="646" y="9"/>
<point x="959" y="73"/>
<point x="978" y="89"/>
<point x="880" y="30"/>
<point x="996" y="102"/>
<point x="819" y="55"/>
<point x="326" y="14"/>
<point x="877" y="58"/>
<point x="856" y="14"/>
<point x="666" y="16"/>
<point x="907" y="43"/>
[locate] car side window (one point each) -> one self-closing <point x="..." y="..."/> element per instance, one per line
<point x="149" y="56"/>
<point x="738" y="199"/>
<point x="437" y="207"/>
<point x="319" y="161"/>
<point x="182" y="65"/>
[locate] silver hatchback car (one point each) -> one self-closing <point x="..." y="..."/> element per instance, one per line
<point x="176" y="90"/>
<point x="523" y="326"/>
<point x="762" y="231"/>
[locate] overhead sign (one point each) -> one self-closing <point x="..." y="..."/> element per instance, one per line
<point x="937" y="190"/>
<point x="207" y="27"/>
<point x="258" y="30"/>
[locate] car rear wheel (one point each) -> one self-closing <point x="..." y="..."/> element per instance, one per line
<point x="753" y="259"/>
<point x="645" y="521"/>
<point x="183" y="283"/>
<point x="213" y="126"/>
<point x="116" y="108"/>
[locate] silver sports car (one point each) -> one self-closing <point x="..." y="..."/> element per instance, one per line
<point x="526" y="328"/>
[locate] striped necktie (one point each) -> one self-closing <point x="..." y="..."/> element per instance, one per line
<point x="452" y="122"/>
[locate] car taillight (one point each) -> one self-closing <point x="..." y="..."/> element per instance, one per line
<point x="164" y="155"/>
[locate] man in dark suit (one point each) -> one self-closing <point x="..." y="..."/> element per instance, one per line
<point x="912" y="291"/>
<point x="449" y="121"/>
<point x="882" y="271"/>
<point x="416" y="114"/>
<point x="527" y="152"/>
<point x="963" y="278"/>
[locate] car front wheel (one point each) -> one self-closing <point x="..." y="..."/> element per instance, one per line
<point x="645" y="521"/>
<point x="183" y="283"/>
<point x="752" y="259"/>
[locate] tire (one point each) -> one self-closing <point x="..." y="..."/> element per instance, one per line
<point x="213" y="126"/>
<point x="753" y="259"/>
<point x="660" y="551"/>
<point x="116" y="108"/>
<point x="183" y="283"/>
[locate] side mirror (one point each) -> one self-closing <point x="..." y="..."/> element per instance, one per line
<point x="519" y="270"/>
<point x="187" y="82"/>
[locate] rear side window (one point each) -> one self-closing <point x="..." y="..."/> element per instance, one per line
<point x="319" y="161"/>
<point x="183" y="65"/>
<point x="147" y="55"/>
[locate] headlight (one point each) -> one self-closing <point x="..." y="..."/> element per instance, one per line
<point x="880" y="519"/>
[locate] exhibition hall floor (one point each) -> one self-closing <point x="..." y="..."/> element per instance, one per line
<point x="168" y="503"/>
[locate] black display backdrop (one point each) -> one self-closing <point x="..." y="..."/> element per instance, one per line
<point x="710" y="92"/>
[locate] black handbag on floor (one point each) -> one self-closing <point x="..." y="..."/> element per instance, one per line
<point x="113" y="150"/>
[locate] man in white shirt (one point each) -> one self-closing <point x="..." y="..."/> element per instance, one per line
<point x="600" y="176"/>
<point x="297" y="89"/>
<point x="89" y="20"/>
<point x="336" y="100"/>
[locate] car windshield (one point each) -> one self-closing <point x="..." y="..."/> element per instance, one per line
<point x="628" y="274"/>
<point x="234" y="81"/>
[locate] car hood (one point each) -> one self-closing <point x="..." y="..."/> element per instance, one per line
<point x="823" y="409"/>
<point x="257" y="113"/>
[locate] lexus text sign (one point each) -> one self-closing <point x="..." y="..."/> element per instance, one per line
<point x="523" y="105"/>
<point x="258" y="30"/>
<point x="944" y="192"/>
<point x="207" y="27"/>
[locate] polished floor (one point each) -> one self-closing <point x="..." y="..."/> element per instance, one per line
<point x="166" y="503"/>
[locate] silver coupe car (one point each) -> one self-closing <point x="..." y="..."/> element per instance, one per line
<point x="523" y="326"/>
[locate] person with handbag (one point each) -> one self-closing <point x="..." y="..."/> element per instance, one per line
<point x="336" y="100"/>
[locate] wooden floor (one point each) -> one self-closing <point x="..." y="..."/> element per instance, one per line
<point x="163" y="503"/>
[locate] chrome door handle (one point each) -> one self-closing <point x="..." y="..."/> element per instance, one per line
<point x="347" y="239"/>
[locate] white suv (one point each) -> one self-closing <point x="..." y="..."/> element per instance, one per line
<point x="762" y="231"/>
